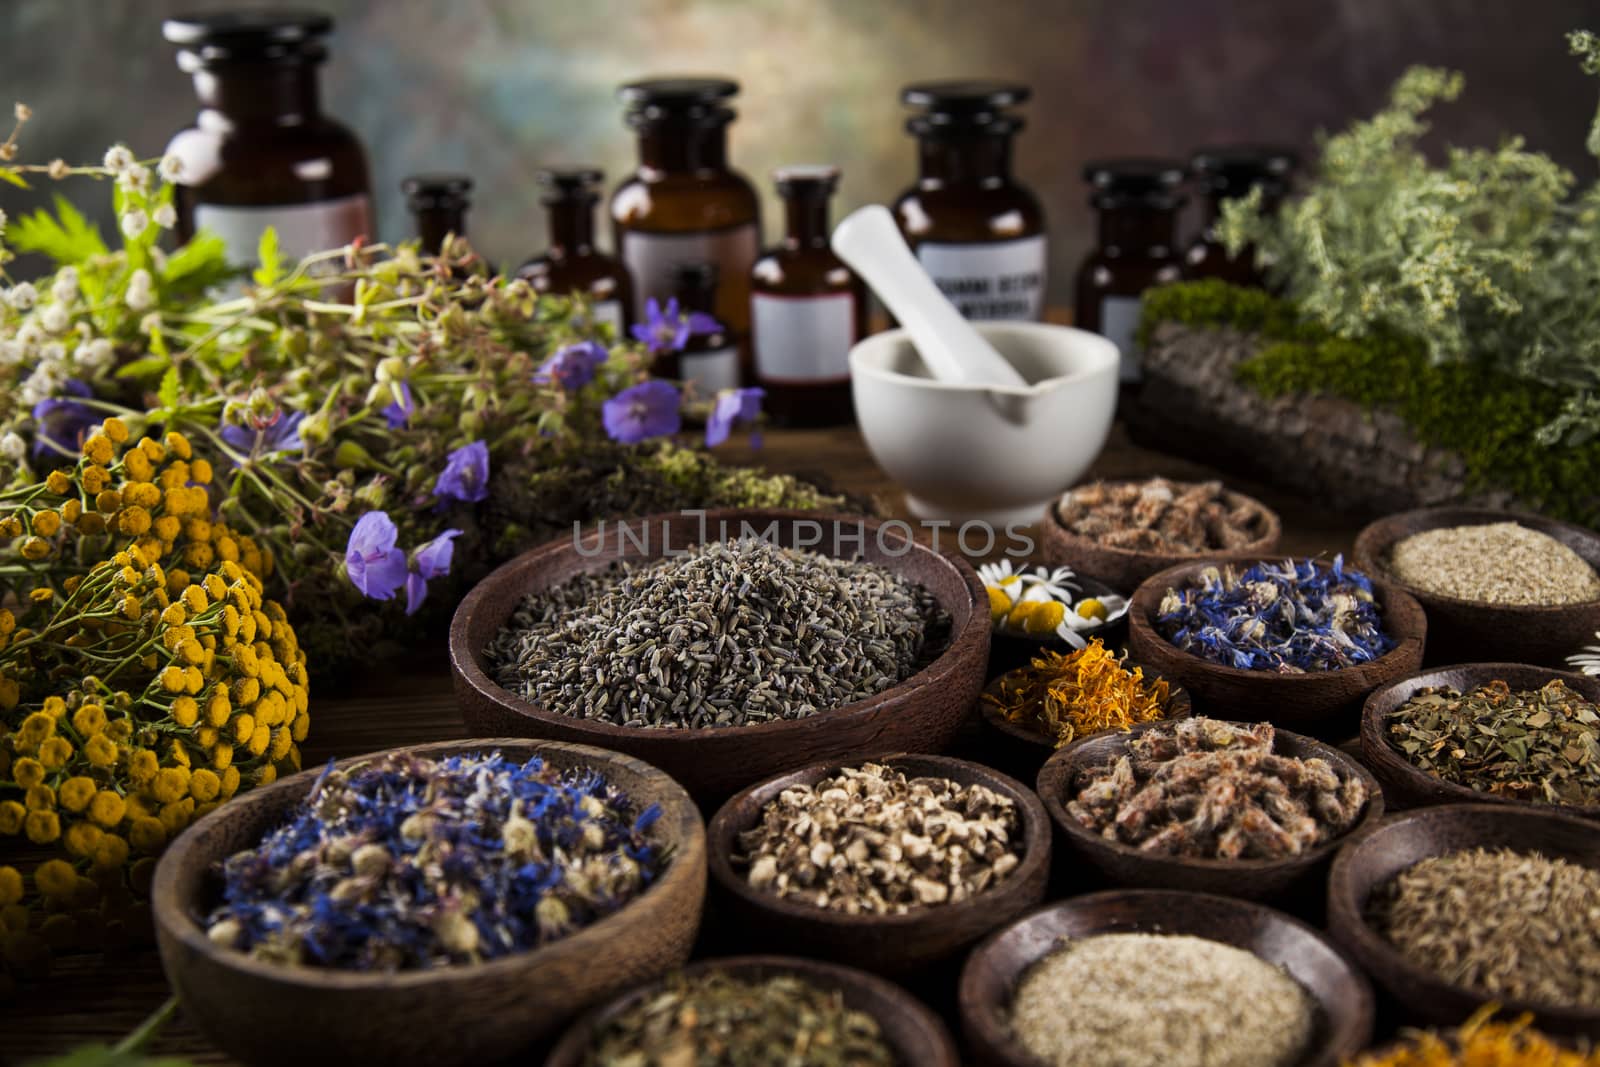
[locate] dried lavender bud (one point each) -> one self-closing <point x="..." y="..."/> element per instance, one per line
<point x="406" y="862"/>
<point x="1506" y="924"/>
<point x="1494" y="563"/>
<point x="871" y="841"/>
<point x="1208" y="789"/>
<point x="727" y="634"/>
<point x="1291" y="618"/>
<point x="1157" y="515"/>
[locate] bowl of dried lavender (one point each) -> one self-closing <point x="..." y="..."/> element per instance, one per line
<point x="727" y="646"/>
<point x="1456" y="906"/>
<point x="1299" y="643"/>
<point x="1503" y="733"/>
<point x="445" y="904"/>
<point x="891" y="866"/>
<point x="1162" y="977"/>
<point x="1123" y="532"/>
<point x="1244" y="810"/>
<point x="1498" y="586"/>
<point x="760" y="1010"/>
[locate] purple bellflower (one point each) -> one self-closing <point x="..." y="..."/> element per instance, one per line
<point x="668" y="329"/>
<point x="428" y="562"/>
<point x="466" y="475"/>
<point x="573" y="366"/>
<point x="398" y="413"/>
<point x="63" y="422"/>
<point x="280" y="433"/>
<point x="739" y="406"/>
<point x="375" y="565"/>
<point x="649" y="409"/>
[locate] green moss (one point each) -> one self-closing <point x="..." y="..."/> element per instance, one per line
<point x="1486" y="416"/>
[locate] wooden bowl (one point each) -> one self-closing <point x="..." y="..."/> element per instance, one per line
<point x="1008" y="650"/>
<point x="1125" y="865"/>
<point x="886" y="944"/>
<point x="265" y="1013"/>
<point x="914" y="1033"/>
<point x="1125" y="568"/>
<point x="922" y="713"/>
<point x="1408" y="785"/>
<point x="989" y="981"/>
<point x="1325" y="702"/>
<point x="1033" y="739"/>
<point x="1367" y="863"/>
<point x="1466" y="631"/>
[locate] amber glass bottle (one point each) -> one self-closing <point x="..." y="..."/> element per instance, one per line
<point x="976" y="230"/>
<point x="806" y="309"/>
<point x="261" y="152"/>
<point x="573" y="264"/>
<point x="1228" y="173"/>
<point x="1138" y="201"/>
<point x="684" y="203"/>
<point x="438" y="204"/>
<point x="708" y="361"/>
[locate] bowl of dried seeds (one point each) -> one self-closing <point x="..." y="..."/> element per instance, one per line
<point x="1123" y="532"/>
<point x="726" y="646"/>
<point x="1155" y="976"/>
<point x="1238" y="809"/>
<point x="761" y="1010"/>
<point x="1455" y="906"/>
<point x="1498" y="586"/>
<point x="1299" y="643"/>
<point x="322" y="899"/>
<point x="890" y="865"/>
<point x="1502" y="733"/>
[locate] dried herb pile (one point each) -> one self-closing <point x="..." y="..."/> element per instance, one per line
<point x="1540" y="745"/>
<point x="1215" y="790"/>
<point x="1495" y="563"/>
<point x="1482" y="1042"/>
<point x="1157" y="515"/>
<point x="1293" y="618"/>
<point x="1079" y="694"/>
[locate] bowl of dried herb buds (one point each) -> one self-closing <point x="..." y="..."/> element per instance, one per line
<point x="760" y="1010"/>
<point x="1498" y="586"/>
<point x="445" y="904"/>
<point x="1296" y="642"/>
<point x="1453" y="907"/>
<point x="1502" y="733"/>
<point x="891" y="866"/>
<point x="1244" y="810"/>
<point x="727" y="646"/>
<point x="1123" y="532"/>
<point x="1162" y="977"/>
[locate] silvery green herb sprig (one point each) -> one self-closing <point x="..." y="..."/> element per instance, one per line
<point x="406" y="862"/>
<point x="1292" y="618"/>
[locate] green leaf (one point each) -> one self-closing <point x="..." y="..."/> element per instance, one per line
<point x="271" y="258"/>
<point x="143" y="368"/>
<point x="14" y="178"/>
<point x="200" y="263"/>
<point x="67" y="237"/>
<point x="168" y="393"/>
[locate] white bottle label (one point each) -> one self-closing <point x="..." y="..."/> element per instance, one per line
<point x="650" y="258"/>
<point x="990" y="279"/>
<point x="803" y="339"/>
<point x="302" y="228"/>
<point x="710" y="372"/>
<point x="609" y="313"/>
<point x="1119" y="321"/>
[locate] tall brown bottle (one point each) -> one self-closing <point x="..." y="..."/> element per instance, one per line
<point x="979" y="233"/>
<point x="806" y="309"/>
<point x="261" y="152"/>
<point x="438" y="204"/>
<point x="1229" y="173"/>
<point x="573" y="264"/>
<point x="684" y="203"/>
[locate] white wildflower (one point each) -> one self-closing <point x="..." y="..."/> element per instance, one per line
<point x="139" y="297"/>
<point x="58" y="170"/>
<point x="22" y="111"/>
<point x="12" y="353"/>
<point x="2" y="222"/>
<point x="166" y="216"/>
<point x="22" y="296"/>
<point x="29" y="334"/>
<point x="134" y="223"/>
<point x="12" y="446"/>
<point x="136" y="178"/>
<point x="92" y="355"/>
<point x="54" y="354"/>
<point x="118" y="159"/>
<point x="171" y="167"/>
<point x="44" y="382"/>
<point x="151" y="323"/>
<point x="64" y="290"/>
<point x="158" y="258"/>
<point x="54" y="317"/>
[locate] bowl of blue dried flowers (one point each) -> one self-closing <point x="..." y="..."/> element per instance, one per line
<point x="1298" y="643"/>
<point x="444" y="904"/>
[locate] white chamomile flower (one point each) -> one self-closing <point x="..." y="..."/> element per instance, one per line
<point x="54" y="317"/>
<point x="1587" y="660"/>
<point x="118" y="158"/>
<point x="1058" y="584"/>
<point x="134" y="223"/>
<point x="166" y="216"/>
<point x="12" y="446"/>
<point x="22" y="296"/>
<point x="171" y="167"/>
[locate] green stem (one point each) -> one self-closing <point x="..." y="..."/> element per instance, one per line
<point x="148" y="1030"/>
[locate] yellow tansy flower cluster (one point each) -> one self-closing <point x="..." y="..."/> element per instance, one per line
<point x="148" y="683"/>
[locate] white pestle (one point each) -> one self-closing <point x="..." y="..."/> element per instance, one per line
<point x="870" y="242"/>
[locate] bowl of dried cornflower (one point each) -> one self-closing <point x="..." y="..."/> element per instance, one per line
<point x="1296" y="642"/>
<point x="726" y="646"/>
<point x="497" y="886"/>
<point x="1125" y="531"/>
<point x="1453" y="907"/>
<point x="891" y="865"/>
<point x="1498" y="586"/>
<point x="1240" y="809"/>
<point x="761" y="1010"/>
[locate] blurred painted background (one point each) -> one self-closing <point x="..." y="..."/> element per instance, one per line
<point x="499" y="87"/>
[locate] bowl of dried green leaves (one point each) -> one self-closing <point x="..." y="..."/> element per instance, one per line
<point x="1503" y="733"/>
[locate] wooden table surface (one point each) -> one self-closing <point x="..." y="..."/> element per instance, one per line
<point x="103" y="998"/>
